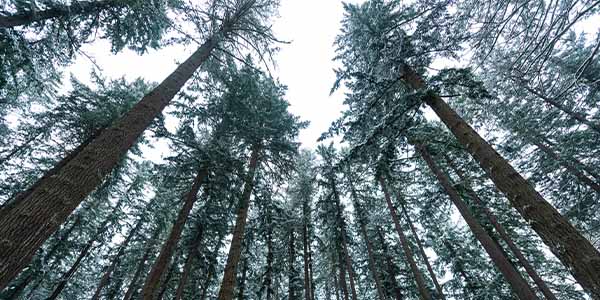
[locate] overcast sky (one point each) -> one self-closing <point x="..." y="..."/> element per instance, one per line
<point x="305" y="65"/>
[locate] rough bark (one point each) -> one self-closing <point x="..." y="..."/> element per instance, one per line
<point x="419" y="279"/>
<point x="61" y="11"/>
<point x="26" y="226"/>
<point x="437" y="285"/>
<point x="151" y="286"/>
<point x="503" y="234"/>
<point x="132" y="287"/>
<point x="518" y="284"/>
<point x="562" y="238"/>
<point x="235" y="250"/>
<point x="189" y="260"/>
<point x="395" y="292"/>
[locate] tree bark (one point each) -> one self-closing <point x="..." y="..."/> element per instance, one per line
<point x="395" y="289"/>
<point x="503" y="234"/>
<point x="570" y="168"/>
<point x="187" y="267"/>
<point x="336" y="286"/>
<point x="270" y="257"/>
<point x="76" y="8"/>
<point x="421" y="286"/>
<point x="115" y="261"/>
<point x="342" y="281"/>
<point x="307" y="288"/>
<point x="151" y="286"/>
<point x="438" y="287"/>
<point x="131" y="289"/>
<point x="164" y="285"/>
<point x="235" y="250"/>
<point x="342" y="225"/>
<point x="291" y="261"/>
<point x="26" y="226"/>
<point x="518" y="284"/>
<point x="363" y="230"/>
<point x="569" y="245"/>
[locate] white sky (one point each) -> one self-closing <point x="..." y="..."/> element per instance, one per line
<point x="305" y="65"/>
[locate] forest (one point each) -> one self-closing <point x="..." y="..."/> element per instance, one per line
<point x="464" y="164"/>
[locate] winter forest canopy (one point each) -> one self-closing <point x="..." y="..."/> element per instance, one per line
<point x="464" y="163"/>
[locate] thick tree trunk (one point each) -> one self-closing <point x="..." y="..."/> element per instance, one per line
<point x="422" y="287"/>
<point x="26" y="226"/>
<point x="291" y="261"/>
<point x="235" y="250"/>
<point x="503" y="234"/>
<point x="115" y="261"/>
<point x="518" y="284"/>
<point x="569" y="245"/>
<point x="132" y="288"/>
<point x="187" y="267"/>
<point x="61" y="11"/>
<point x="395" y="291"/>
<point x="438" y="287"/>
<point x="164" y="285"/>
<point x="151" y="286"/>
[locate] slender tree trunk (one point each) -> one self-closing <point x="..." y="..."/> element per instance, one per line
<point x="310" y="269"/>
<point x="503" y="234"/>
<point x="518" y="284"/>
<point x="395" y="289"/>
<point x="187" y="267"/>
<point x="132" y="288"/>
<point x="336" y="286"/>
<point x="26" y="226"/>
<point x="422" y="287"/>
<point x="164" y="285"/>
<point x="151" y="286"/>
<point x="305" y="258"/>
<point x="270" y="257"/>
<point x="61" y="11"/>
<point x="438" y="287"/>
<point x="570" y="168"/>
<point x="342" y="280"/>
<point x="363" y="230"/>
<point x="292" y="270"/>
<point x="242" y="289"/>
<point x="65" y="278"/>
<point x="235" y="250"/>
<point x="342" y="225"/>
<point x="115" y="261"/>
<point x="569" y="245"/>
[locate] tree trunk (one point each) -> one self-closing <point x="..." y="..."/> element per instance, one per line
<point x="131" y="289"/>
<point x="395" y="289"/>
<point x="291" y="261"/>
<point x="518" y="284"/>
<point x="569" y="245"/>
<point x="164" y="285"/>
<point x="115" y="261"/>
<point x="422" y="287"/>
<point x="503" y="234"/>
<point x="65" y="278"/>
<point x="187" y="267"/>
<point x="342" y="225"/>
<point x="235" y="250"/>
<point x="363" y="230"/>
<point x="438" y="287"/>
<point x="76" y="8"/>
<point x="336" y="286"/>
<point x="307" y="283"/>
<point x="153" y="281"/>
<point x="458" y="264"/>
<point x="570" y="168"/>
<point x="242" y="289"/>
<point x="270" y="257"/>
<point x="342" y="280"/>
<point x="310" y="269"/>
<point x="27" y="225"/>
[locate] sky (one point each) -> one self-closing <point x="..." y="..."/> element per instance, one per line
<point x="305" y="65"/>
